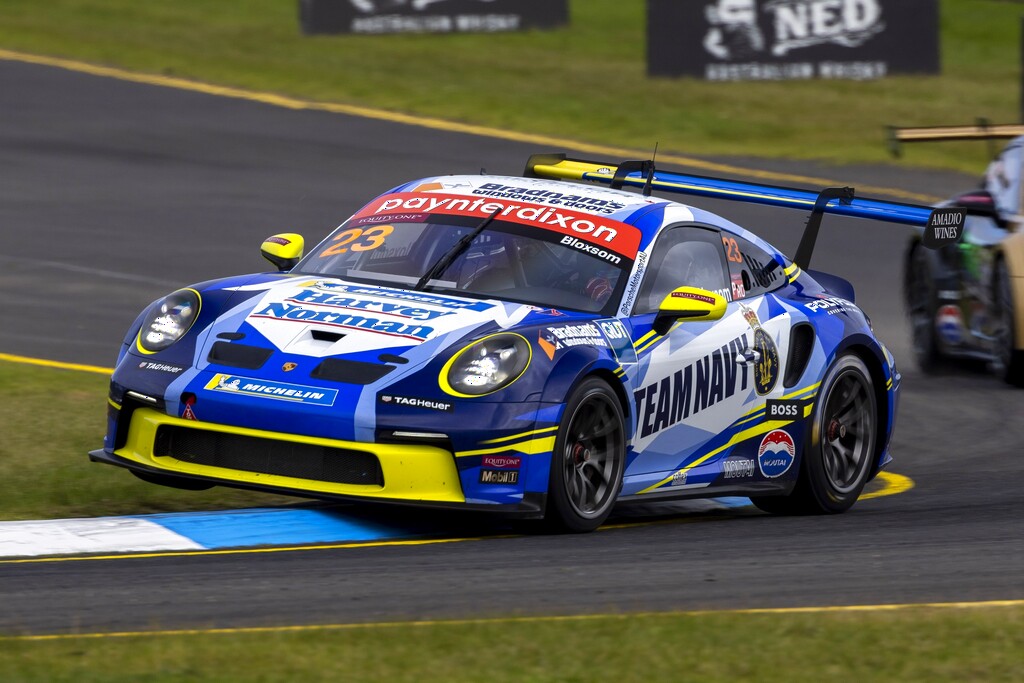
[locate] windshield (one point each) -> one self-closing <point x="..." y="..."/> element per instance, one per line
<point x="505" y="261"/>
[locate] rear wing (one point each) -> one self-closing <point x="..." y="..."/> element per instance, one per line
<point x="982" y="130"/>
<point x="942" y="226"/>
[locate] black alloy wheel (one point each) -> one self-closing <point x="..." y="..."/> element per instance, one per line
<point x="839" y="458"/>
<point x="588" y="460"/>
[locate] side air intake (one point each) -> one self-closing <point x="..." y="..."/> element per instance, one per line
<point x="801" y="344"/>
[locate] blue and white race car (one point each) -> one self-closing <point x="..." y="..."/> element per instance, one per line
<point x="524" y="345"/>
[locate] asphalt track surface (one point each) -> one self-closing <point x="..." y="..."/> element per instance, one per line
<point x="114" y="193"/>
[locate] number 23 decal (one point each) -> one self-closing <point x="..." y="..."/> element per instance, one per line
<point x="732" y="250"/>
<point x="358" y="239"/>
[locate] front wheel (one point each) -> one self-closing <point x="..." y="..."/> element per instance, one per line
<point x="588" y="460"/>
<point x="837" y="462"/>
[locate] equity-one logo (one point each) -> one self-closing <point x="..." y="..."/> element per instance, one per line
<point x="735" y="33"/>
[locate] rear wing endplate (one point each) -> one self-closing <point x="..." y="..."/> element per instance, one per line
<point x="942" y="226"/>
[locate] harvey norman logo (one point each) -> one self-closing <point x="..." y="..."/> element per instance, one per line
<point x="619" y="237"/>
<point x="281" y="391"/>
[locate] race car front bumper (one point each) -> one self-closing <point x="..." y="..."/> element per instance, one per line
<point x="251" y="458"/>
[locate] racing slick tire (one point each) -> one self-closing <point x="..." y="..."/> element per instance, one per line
<point x="921" y="301"/>
<point x="844" y="432"/>
<point x="1009" y="360"/>
<point x="588" y="460"/>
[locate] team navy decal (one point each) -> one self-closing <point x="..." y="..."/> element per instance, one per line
<point x="776" y="454"/>
<point x="269" y="389"/>
<point x="692" y="389"/>
<point x="766" y="367"/>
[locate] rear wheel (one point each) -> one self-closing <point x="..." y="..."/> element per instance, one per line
<point x="1009" y="360"/>
<point x="919" y="292"/>
<point x="588" y="460"/>
<point x="838" y="460"/>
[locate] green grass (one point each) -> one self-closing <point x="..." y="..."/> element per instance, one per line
<point x="51" y="419"/>
<point x="926" y="645"/>
<point x="586" y="82"/>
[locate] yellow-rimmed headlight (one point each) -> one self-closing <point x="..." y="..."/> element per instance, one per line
<point x="168" y="320"/>
<point x="486" y="365"/>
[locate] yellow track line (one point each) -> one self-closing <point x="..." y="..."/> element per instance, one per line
<point x="244" y="551"/>
<point x="305" y="628"/>
<point x="287" y="102"/>
<point x="56" y="364"/>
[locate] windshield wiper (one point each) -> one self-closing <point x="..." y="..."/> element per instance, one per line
<point x="449" y="256"/>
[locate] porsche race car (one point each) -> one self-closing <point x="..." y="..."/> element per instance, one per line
<point x="527" y="345"/>
<point x="966" y="300"/>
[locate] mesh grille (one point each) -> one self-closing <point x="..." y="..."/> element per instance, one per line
<point x="268" y="456"/>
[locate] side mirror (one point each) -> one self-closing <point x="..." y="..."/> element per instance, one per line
<point x="688" y="303"/>
<point x="284" y="250"/>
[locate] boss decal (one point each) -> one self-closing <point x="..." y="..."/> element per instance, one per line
<point x="416" y="402"/>
<point x="776" y="453"/>
<point x="782" y="409"/>
<point x="281" y="391"/>
<point x="499" y="476"/>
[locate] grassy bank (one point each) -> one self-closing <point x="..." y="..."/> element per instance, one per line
<point x="51" y="419"/>
<point x="587" y="82"/>
<point x="927" y="645"/>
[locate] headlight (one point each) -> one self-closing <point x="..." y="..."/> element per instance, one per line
<point x="168" y="320"/>
<point x="487" y="365"/>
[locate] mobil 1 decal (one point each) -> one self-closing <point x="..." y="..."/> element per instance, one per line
<point x="766" y="355"/>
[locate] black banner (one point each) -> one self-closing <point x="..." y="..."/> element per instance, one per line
<point x="430" y="16"/>
<point x="737" y="40"/>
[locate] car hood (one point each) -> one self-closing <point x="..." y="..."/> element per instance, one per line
<point x="321" y="317"/>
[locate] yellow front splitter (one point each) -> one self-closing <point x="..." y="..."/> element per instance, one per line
<point x="412" y="472"/>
